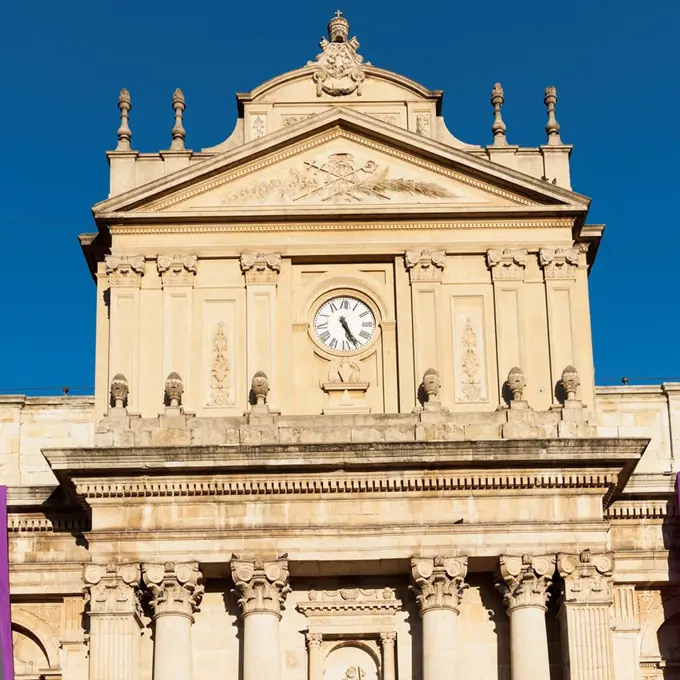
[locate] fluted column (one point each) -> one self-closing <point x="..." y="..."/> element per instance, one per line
<point x="115" y="620"/>
<point x="387" y="641"/>
<point x="524" y="586"/>
<point x="584" y="616"/>
<point x="438" y="584"/>
<point x="176" y="593"/>
<point x="262" y="587"/>
<point x="314" y="659"/>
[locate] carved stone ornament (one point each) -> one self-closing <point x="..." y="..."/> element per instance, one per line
<point x="350" y="601"/>
<point x="177" y="269"/>
<point x="425" y="265"/>
<point x="220" y="370"/>
<point x="559" y="263"/>
<point x="262" y="586"/>
<point x="470" y="389"/>
<point x="423" y="124"/>
<point x="524" y="581"/>
<point x="124" y="270"/>
<point x="339" y="69"/>
<point x="261" y="267"/>
<point x="260" y="387"/>
<point x="431" y="384"/>
<point x="175" y="588"/>
<point x="174" y="389"/>
<point x="112" y="588"/>
<point x="438" y="582"/>
<point x="516" y="383"/>
<point x="570" y="382"/>
<point x="507" y="264"/>
<point x="119" y="391"/>
<point x="587" y="577"/>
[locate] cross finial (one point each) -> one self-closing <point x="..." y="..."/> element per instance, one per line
<point x="338" y="13"/>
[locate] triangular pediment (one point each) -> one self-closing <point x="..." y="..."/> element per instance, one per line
<point x="340" y="159"/>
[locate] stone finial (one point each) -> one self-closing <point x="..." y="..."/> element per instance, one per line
<point x="260" y="388"/>
<point x="338" y="28"/>
<point x="174" y="388"/>
<point x="124" y="132"/>
<point x="120" y="389"/>
<point x="498" y="128"/>
<point x="570" y="382"/>
<point x="552" y="127"/>
<point x="516" y="383"/>
<point x="428" y="392"/>
<point x="178" y="132"/>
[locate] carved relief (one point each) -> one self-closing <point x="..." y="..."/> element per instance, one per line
<point x="524" y="581"/>
<point x="391" y="118"/>
<point x="423" y="124"/>
<point x="438" y="581"/>
<point x="425" y="265"/>
<point x="124" y="270"/>
<point x="261" y="267"/>
<point x="587" y="577"/>
<point x="336" y="179"/>
<point x="259" y="126"/>
<point x="262" y="586"/>
<point x="220" y="383"/>
<point x="339" y="69"/>
<point x="112" y="588"/>
<point x="174" y="588"/>
<point x="470" y="382"/>
<point x="293" y="119"/>
<point x="507" y="264"/>
<point x="350" y="601"/>
<point x="177" y="269"/>
<point x="559" y="263"/>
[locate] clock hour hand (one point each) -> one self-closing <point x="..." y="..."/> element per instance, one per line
<point x="348" y="332"/>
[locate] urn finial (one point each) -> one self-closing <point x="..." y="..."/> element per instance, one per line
<point x="174" y="388"/>
<point x="260" y="388"/>
<point x="498" y="128"/>
<point x="124" y="132"/>
<point x="516" y="384"/>
<point x="552" y="127"/>
<point x="178" y="131"/>
<point x="120" y="390"/>
<point x="570" y="382"/>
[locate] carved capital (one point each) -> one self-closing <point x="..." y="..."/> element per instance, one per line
<point x="507" y="264"/>
<point x="524" y="581"/>
<point x="438" y="582"/>
<point x="177" y="270"/>
<point x="388" y="639"/>
<point x="559" y="263"/>
<point x="175" y="588"/>
<point x="425" y="265"/>
<point x="587" y="577"/>
<point x="124" y="270"/>
<point x="262" y="586"/>
<point x="261" y="267"/>
<point x="314" y="640"/>
<point x="112" y="588"/>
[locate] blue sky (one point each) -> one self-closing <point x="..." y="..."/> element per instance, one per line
<point x="614" y="64"/>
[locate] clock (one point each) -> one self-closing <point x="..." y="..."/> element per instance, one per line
<point x="344" y="324"/>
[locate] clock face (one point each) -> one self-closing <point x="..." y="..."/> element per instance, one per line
<point x="344" y="324"/>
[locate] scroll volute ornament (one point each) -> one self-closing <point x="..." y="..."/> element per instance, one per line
<point x="438" y="582"/>
<point x="175" y="588"/>
<point x="112" y="588"/>
<point x="262" y="586"/>
<point x="587" y="576"/>
<point x="524" y="581"/>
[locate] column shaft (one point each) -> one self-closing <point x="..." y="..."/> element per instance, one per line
<point x="261" y="647"/>
<point x="389" y="671"/>
<point x="172" y="657"/>
<point x="314" y="658"/>
<point x="529" y="644"/>
<point x="440" y="628"/>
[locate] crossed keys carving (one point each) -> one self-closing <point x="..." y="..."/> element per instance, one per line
<point x="342" y="180"/>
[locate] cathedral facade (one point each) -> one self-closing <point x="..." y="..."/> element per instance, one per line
<point x="345" y="423"/>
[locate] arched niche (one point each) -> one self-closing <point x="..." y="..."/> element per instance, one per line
<point x="352" y="660"/>
<point x="35" y="640"/>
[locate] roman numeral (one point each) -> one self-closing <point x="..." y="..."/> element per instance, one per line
<point x="354" y="309"/>
<point x="333" y="307"/>
<point x="324" y="336"/>
<point x="345" y="345"/>
<point x="333" y="343"/>
<point x="364" y="335"/>
<point x="364" y="313"/>
<point x="344" y="304"/>
<point x="367" y="324"/>
<point x="322" y="325"/>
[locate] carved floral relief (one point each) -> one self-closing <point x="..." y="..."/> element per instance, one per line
<point x="220" y="372"/>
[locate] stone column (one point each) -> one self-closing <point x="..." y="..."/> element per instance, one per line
<point x="584" y="616"/>
<point x="262" y="587"/>
<point x="438" y="587"/>
<point x="387" y="641"/>
<point x="115" y="620"/>
<point x="524" y="586"/>
<point x="314" y="659"/>
<point x="176" y="593"/>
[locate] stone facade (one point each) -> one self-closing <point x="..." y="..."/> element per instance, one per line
<point x="345" y="423"/>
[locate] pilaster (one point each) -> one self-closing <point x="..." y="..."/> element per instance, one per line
<point x="261" y="273"/>
<point x="115" y="620"/>
<point x="625" y="632"/>
<point x="314" y="656"/>
<point x="387" y="644"/>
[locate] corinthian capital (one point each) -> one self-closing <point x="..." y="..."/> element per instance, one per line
<point x="112" y="588"/>
<point x="261" y="267"/>
<point x="425" y="265"/>
<point x="506" y="264"/>
<point x="525" y="580"/>
<point x="262" y="586"/>
<point x="559" y="263"/>
<point x="174" y="588"/>
<point x="124" y="270"/>
<point x="438" y="582"/>
<point x="587" y="577"/>
<point x="178" y="270"/>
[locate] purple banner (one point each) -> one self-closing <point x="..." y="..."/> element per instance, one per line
<point x="6" y="656"/>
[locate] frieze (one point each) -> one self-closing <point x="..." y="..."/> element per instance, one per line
<point x="349" y="601"/>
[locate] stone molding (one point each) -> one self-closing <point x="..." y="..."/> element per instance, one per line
<point x="125" y="270"/>
<point x="425" y="265"/>
<point x="507" y="264"/>
<point x="175" y="588"/>
<point x="262" y="586"/>
<point x="642" y="509"/>
<point x="112" y="588"/>
<point x="177" y="270"/>
<point x="438" y="582"/>
<point x="350" y="601"/>
<point x="559" y="263"/>
<point x="524" y="581"/>
<point x="587" y="577"/>
<point x="261" y="267"/>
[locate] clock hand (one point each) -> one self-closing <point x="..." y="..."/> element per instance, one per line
<point x="348" y="332"/>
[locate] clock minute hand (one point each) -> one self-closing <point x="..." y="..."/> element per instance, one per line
<point x="348" y="332"/>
